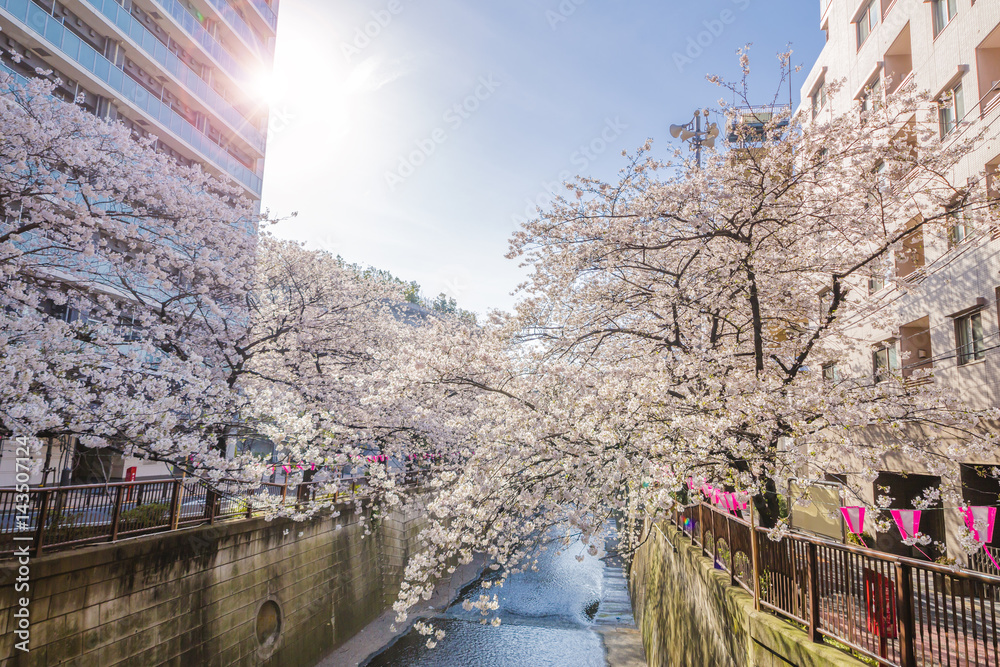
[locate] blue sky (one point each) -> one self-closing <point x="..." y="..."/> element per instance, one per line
<point x="413" y="136"/>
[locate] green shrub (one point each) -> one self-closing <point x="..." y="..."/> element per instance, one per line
<point x="853" y="539"/>
<point x="145" y="516"/>
<point x="782" y="507"/>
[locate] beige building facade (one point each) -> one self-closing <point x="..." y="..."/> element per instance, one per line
<point x="942" y="286"/>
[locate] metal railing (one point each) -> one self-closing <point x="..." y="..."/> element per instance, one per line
<point x="46" y="519"/>
<point x="899" y="612"/>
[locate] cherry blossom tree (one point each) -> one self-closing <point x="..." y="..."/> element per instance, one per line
<point x="675" y="325"/>
<point x="143" y="312"/>
<point x="112" y="258"/>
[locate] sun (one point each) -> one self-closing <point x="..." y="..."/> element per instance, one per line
<point x="266" y="88"/>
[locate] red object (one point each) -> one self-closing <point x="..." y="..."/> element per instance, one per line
<point x="130" y="477"/>
<point x="880" y="604"/>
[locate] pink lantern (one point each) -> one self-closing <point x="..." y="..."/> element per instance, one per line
<point x="731" y="503"/>
<point x="986" y="515"/>
<point x="908" y="522"/>
<point x="691" y="483"/>
<point x="854" y="517"/>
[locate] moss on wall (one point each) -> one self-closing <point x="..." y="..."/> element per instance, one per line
<point x="690" y="615"/>
<point x="191" y="597"/>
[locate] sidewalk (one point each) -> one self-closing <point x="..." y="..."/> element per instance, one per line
<point x="377" y="635"/>
<point x="614" y="621"/>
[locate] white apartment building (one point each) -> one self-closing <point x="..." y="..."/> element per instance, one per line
<point x="183" y="70"/>
<point x="951" y="319"/>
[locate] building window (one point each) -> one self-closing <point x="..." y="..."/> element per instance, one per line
<point x="969" y="338"/>
<point x="898" y="62"/>
<point x="988" y="70"/>
<point x="875" y="283"/>
<point x="951" y="110"/>
<point x="818" y="99"/>
<point x="910" y="256"/>
<point x="831" y="373"/>
<point x="944" y="11"/>
<point x="958" y="227"/>
<point x="884" y="361"/>
<point x="866" y="22"/>
<point x="825" y="301"/>
<point x="871" y="98"/>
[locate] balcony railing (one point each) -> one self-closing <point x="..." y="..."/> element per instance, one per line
<point x="266" y="13"/>
<point x="259" y="48"/>
<point x="159" y="52"/>
<point x="72" y="47"/>
<point x="212" y="46"/>
<point x="56" y="518"/>
<point x="896" y="611"/>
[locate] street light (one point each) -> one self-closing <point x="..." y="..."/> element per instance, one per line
<point x="693" y="133"/>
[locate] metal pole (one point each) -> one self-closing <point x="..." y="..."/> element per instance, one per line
<point x="904" y="614"/>
<point x="813" y="565"/>
<point x="175" y="503"/>
<point x="697" y="137"/>
<point x="755" y="558"/>
<point x="117" y="512"/>
<point x="701" y="527"/>
<point x="732" y="551"/>
<point x="43" y="517"/>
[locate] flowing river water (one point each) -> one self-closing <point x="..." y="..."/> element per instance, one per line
<point x="559" y="615"/>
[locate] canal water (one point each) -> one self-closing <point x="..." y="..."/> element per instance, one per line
<point x="550" y="617"/>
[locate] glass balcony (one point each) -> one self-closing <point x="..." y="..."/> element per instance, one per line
<point x="158" y="51"/>
<point x="40" y="22"/>
<point x="204" y="39"/>
<point x="266" y="13"/>
<point x="17" y="77"/>
<point x="261" y="49"/>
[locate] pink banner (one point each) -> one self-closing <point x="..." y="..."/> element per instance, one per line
<point x="908" y="522"/>
<point x="854" y="516"/>
<point x="985" y="515"/>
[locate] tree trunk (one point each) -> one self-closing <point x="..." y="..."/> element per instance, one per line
<point x="767" y="506"/>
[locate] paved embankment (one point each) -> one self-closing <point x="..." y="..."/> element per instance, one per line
<point x="614" y="620"/>
<point x="379" y="633"/>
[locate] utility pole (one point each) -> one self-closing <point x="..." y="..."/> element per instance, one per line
<point x="693" y="133"/>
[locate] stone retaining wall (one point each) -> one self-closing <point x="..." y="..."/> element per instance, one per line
<point x="192" y="598"/>
<point x="690" y="615"/>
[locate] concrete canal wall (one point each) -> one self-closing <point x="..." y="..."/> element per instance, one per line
<point x="252" y="592"/>
<point x="690" y="615"/>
